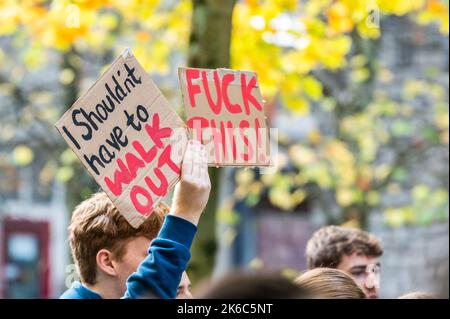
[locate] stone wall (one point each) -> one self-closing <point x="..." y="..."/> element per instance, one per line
<point x="415" y="259"/>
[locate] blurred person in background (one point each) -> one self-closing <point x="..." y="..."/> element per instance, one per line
<point x="419" y="295"/>
<point x="184" y="288"/>
<point x="329" y="283"/>
<point x="260" y="285"/>
<point x="353" y="251"/>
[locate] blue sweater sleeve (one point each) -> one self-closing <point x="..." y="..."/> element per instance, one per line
<point x="159" y="275"/>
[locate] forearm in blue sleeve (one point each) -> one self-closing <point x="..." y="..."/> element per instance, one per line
<point x="159" y="275"/>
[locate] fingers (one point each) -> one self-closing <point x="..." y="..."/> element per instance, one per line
<point x="192" y="193"/>
<point x="187" y="165"/>
<point x="204" y="167"/>
<point x="195" y="161"/>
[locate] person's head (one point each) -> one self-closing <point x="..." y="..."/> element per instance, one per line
<point x="184" y="288"/>
<point x="419" y="295"/>
<point x="105" y="247"/>
<point x="350" y="250"/>
<point x="329" y="283"/>
<point x="245" y="285"/>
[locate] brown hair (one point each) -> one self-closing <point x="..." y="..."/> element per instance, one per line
<point x="97" y="224"/>
<point x="419" y="295"/>
<point x="328" y="283"/>
<point x="259" y="285"/>
<point x="327" y="246"/>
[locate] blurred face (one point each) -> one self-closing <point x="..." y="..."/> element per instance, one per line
<point x="365" y="270"/>
<point x="184" y="289"/>
<point x="135" y="252"/>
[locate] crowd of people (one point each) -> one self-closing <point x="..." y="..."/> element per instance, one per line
<point x="115" y="260"/>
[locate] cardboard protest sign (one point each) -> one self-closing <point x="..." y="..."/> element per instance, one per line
<point x="128" y="137"/>
<point x="225" y="111"/>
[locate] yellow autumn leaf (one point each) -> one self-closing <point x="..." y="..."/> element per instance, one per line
<point x="345" y="197"/>
<point x="382" y="171"/>
<point x="368" y="147"/>
<point x="337" y="151"/>
<point x="314" y="137"/>
<point x="360" y="75"/>
<point x="298" y="196"/>
<point x="244" y="176"/>
<point x="420" y="192"/>
<point x="66" y="76"/>
<point x="394" y="217"/>
<point x="10" y="17"/>
<point x="352" y="223"/>
<point x="436" y="11"/>
<point x="373" y="198"/>
<point x="339" y="17"/>
<point x="22" y="155"/>
<point x="64" y="174"/>
<point x="301" y="155"/>
<point x="226" y="214"/>
<point x="281" y="198"/>
<point x="68" y="157"/>
<point x="268" y="179"/>
<point x="298" y="105"/>
<point x="314" y="8"/>
<point x="312" y="88"/>
<point x="108" y="21"/>
<point x="400" y="7"/>
<point x="369" y="30"/>
<point x="358" y="61"/>
<point x="256" y="188"/>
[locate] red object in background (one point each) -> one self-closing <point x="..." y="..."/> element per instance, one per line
<point x="25" y="264"/>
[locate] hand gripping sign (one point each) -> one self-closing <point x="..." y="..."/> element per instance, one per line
<point x="128" y="137"/>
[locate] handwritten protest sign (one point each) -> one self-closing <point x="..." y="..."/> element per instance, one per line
<point x="224" y="110"/>
<point x="128" y="137"/>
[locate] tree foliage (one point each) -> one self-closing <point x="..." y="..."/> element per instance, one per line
<point x="316" y="58"/>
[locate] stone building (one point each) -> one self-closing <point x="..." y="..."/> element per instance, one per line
<point x="33" y="238"/>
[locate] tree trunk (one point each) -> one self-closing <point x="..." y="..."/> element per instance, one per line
<point x="71" y="61"/>
<point x="209" y="47"/>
